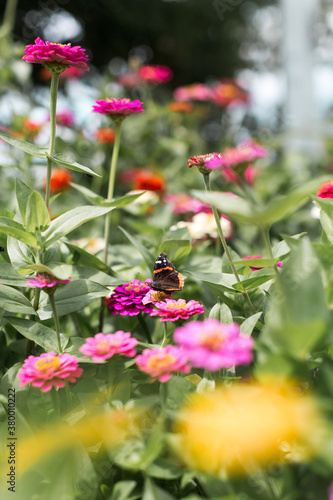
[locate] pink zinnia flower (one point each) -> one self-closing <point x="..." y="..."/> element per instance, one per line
<point x="104" y="346"/>
<point x="128" y="298"/>
<point x="248" y="257"/>
<point x="229" y="92"/>
<point x="213" y="345"/>
<point x="246" y="152"/>
<point x="155" y="74"/>
<point x="208" y="162"/>
<point x="49" y="370"/>
<point x="195" y="92"/>
<point x="154" y="296"/>
<point x="44" y="280"/>
<point x="49" y="53"/>
<point x="161" y="363"/>
<point x="118" y="108"/>
<point x="326" y="190"/>
<point x="173" y="310"/>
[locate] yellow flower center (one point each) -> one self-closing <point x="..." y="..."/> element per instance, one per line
<point x="213" y="339"/>
<point x="135" y="288"/>
<point x="103" y="347"/>
<point x="45" y="364"/>
<point x="161" y="360"/>
<point x="174" y="306"/>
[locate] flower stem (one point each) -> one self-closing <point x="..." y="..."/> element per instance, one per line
<point x="56" y="321"/>
<point x="53" y="109"/>
<point x="143" y="323"/>
<point x="224" y="243"/>
<point x="265" y="237"/>
<point x="165" y="337"/>
<point x="112" y="176"/>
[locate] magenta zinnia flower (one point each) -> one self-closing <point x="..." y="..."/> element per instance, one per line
<point x="208" y="162"/>
<point x="253" y="268"/>
<point x="213" y="345"/>
<point x="104" y="346"/>
<point x="44" y="280"/>
<point x="183" y="203"/>
<point x="326" y="190"/>
<point x="128" y="298"/>
<point x="161" y="363"/>
<point x="49" y="370"/>
<point x="173" y="310"/>
<point x="118" y="108"/>
<point x="155" y="74"/>
<point x="49" y="53"/>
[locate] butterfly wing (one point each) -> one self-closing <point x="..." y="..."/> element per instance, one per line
<point x="166" y="278"/>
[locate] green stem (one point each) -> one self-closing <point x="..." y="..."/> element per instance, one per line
<point x="112" y="176"/>
<point x="53" y="109"/>
<point x="30" y="344"/>
<point x="224" y="243"/>
<point x="143" y="323"/>
<point x="265" y="237"/>
<point x="165" y="337"/>
<point x="56" y="321"/>
<point x="9" y="17"/>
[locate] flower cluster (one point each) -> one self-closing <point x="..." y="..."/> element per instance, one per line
<point x="49" y="370"/>
<point x="48" y="54"/>
<point x="104" y="346"/>
<point x="128" y="299"/>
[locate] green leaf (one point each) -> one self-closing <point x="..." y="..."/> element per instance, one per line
<point x="17" y="231"/>
<point x="162" y="469"/>
<point x="299" y="317"/>
<point x="37" y="217"/>
<point x="238" y="208"/>
<point x="257" y="262"/>
<point x="70" y="220"/>
<point x="14" y="301"/>
<point x="98" y="200"/>
<point x="146" y="254"/>
<point x="41" y="334"/>
<point x="8" y="276"/>
<point x="122" y="490"/>
<point x="72" y="297"/>
<point x="59" y="270"/>
<point x="71" y="164"/>
<point x="23" y="192"/>
<point x="223" y="281"/>
<point x="326" y="216"/>
<point x="27" y="147"/>
<point x="251" y="283"/>
<point x="81" y="256"/>
<point x="248" y="325"/>
<point x="20" y="254"/>
<point x="176" y="250"/>
<point x="153" y="492"/>
<point x="221" y="312"/>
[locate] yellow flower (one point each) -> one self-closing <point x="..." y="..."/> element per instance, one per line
<point x="236" y="429"/>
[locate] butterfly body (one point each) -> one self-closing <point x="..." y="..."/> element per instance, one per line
<point x="165" y="277"/>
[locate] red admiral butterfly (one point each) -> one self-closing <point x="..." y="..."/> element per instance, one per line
<point x="166" y="278"/>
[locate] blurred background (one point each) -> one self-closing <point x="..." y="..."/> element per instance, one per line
<point x="280" y="51"/>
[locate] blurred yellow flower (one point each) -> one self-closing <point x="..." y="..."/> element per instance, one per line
<point x="239" y="428"/>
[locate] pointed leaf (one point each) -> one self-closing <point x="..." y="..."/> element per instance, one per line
<point x="23" y="193"/>
<point x="222" y="313"/>
<point x="59" y="270"/>
<point x="41" y="334"/>
<point x="146" y="254"/>
<point x="14" y="301"/>
<point x="70" y="220"/>
<point x="31" y="149"/>
<point x="251" y="283"/>
<point x="83" y="257"/>
<point x="222" y="280"/>
<point x="257" y="262"/>
<point x="237" y="208"/>
<point x="37" y="217"/>
<point x="8" y="276"/>
<point x="248" y="325"/>
<point x="68" y="162"/>
<point x="153" y="492"/>
<point x="98" y="200"/>
<point x="16" y="230"/>
<point x="72" y="297"/>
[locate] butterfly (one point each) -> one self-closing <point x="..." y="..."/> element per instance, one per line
<point x="166" y="278"/>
